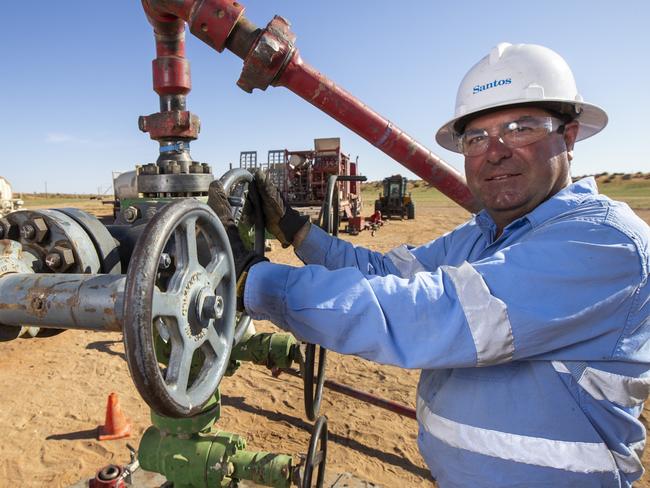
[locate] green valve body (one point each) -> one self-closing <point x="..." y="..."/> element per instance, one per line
<point x="191" y="455"/>
<point x="268" y="349"/>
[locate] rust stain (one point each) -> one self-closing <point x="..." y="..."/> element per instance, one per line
<point x="412" y="148"/>
<point x="74" y="301"/>
<point x="321" y="88"/>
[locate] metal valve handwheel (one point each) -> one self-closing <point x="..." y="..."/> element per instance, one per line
<point x="313" y="386"/>
<point x="237" y="183"/>
<point x="316" y="455"/>
<point x="180" y="292"/>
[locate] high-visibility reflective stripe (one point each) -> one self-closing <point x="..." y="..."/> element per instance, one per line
<point x="622" y="390"/>
<point x="577" y="457"/>
<point x="631" y="463"/>
<point x="406" y="263"/>
<point x="486" y="315"/>
<point x="625" y="391"/>
<point x="616" y="388"/>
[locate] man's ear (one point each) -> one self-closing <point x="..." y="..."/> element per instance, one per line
<point x="570" y="134"/>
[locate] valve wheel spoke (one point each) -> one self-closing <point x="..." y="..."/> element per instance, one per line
<point x="185" y="239"/>
<point x="217" y="269"/>
<point x="215" y="344"/>
<point x="166" y="304"/>
<point x="178" y="369"/>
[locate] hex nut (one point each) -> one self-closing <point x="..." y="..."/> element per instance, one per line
<point x="131" y="214"/>
<point x="40" y="229"/>
<point x="60" y="259"/>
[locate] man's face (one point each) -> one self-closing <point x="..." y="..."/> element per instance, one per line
<point x="510" y="182"/>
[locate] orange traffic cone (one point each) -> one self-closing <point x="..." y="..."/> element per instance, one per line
<point x="116" y="426"/>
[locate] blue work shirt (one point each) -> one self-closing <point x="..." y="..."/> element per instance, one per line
<point x="533" y="346"/>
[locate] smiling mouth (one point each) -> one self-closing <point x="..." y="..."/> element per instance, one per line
<point x="502" y="177"/>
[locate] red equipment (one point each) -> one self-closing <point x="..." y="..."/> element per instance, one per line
<point x="271" y="58"/>
<point x="302" y="176"/>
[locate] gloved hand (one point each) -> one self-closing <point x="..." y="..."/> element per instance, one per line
<point x="244" y="258"/>
<point x="285" y="223"/>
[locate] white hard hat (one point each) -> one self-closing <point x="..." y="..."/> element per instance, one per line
<point x="520" y="74"/>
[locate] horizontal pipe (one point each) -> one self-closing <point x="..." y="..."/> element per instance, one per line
<point x="62" y="301"/>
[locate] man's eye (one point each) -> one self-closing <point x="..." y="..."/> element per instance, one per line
<point x="472" y="141"/>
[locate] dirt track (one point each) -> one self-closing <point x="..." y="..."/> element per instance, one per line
<point x="53" y="394"/>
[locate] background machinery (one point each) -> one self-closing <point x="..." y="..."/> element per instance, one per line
<point x="395" y="201"/>
<point x="162" y="272"/>
<point x="7" y="201"/>
<point x="302" y="176"/>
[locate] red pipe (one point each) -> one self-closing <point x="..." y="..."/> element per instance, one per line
<point x="309" y="84"/>
<point x="271" y="58"/>
<point x="395" y="407"/>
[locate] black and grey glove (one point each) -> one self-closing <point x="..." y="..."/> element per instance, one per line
<point x="244" y="258"/>
<point x="281" y="220"/>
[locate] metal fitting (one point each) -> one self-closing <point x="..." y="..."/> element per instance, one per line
<point x="60" y="259"/>
<point x="41" y="229"/>
<point x="27" y="232"/>
<point x="269" y="56"/>
<point x="165" y="261"/>
<point x="209" y="306"/>
<point x="131" y="214"/>
<point x="34" y="230"/>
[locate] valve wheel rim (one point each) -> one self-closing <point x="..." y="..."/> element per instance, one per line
<point x="313" y="387"/>
<point x="240" y="179"/>
<point x="316" y="455"/>
<point x="174" y="313"/>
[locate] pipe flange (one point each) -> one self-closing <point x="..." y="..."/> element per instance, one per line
<point x="179" y="183"/>
<point x="14" y="260"/>
<point x="265" y="61"/>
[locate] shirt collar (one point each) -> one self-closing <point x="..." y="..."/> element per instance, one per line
<point x="564" y="200"/>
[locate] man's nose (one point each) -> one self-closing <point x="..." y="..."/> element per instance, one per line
<point x="497" y="150"/>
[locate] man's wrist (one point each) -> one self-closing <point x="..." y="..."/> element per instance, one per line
<point x="290" y="224"/>
<point x="301" y="235"/>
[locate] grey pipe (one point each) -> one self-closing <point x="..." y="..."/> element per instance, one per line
<point x="70" y="301"/>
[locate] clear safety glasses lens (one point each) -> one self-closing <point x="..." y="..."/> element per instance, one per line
<point x="518" y="133"/>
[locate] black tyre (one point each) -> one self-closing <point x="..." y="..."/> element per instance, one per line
<point x="410" y="211"/>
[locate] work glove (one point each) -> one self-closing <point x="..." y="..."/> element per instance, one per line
<point x="285" y="223"/>
<point x="244" y="258"/>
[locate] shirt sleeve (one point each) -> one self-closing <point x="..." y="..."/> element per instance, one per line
<point x="333" y="253"/>
<point x="565" y="292"/>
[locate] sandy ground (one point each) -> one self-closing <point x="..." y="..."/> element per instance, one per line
<point x="53" y="394"/>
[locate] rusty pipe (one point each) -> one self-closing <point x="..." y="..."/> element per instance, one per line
<point x="271" y="58"/>
<point x="69" y="301"/>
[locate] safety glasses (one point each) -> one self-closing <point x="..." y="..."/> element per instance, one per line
<point x="518" y="133"/>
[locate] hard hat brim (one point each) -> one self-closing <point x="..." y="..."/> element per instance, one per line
<point x="592" y="120"/>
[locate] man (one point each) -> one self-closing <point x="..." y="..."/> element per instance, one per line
<point x="530" y="322"/>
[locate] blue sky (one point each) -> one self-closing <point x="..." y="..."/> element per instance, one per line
<point x="76" y="75"/>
